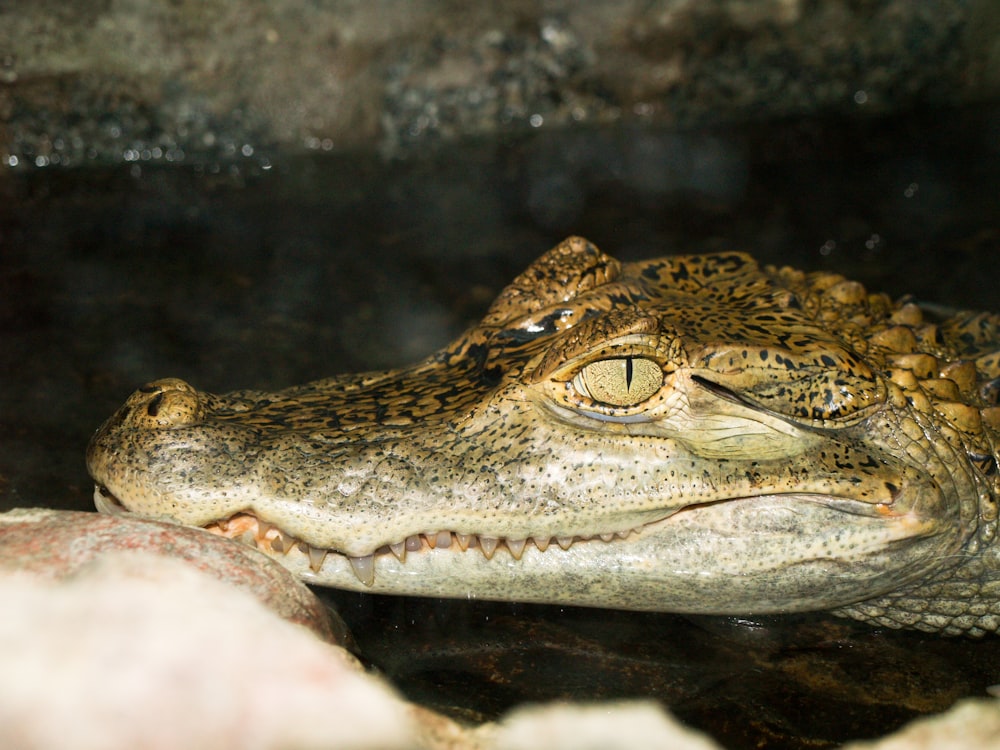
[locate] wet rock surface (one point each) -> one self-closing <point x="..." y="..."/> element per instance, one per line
<point x="148" y="82"/>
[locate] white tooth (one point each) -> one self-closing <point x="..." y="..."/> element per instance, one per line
<point x="444" y="539"/>
<point x="413" y="543"/>
<point x="516" y="547"/>
<point x="542" y="544"/>
<point x="623" y="534"/>
<point x="564" y="541"/>
<point x="431" y="538"/>
<point x="607" y="537"/>
<point x="364" y="568"/>
<point x="463" y="541"/>
<point x="248" y="538"/>
<point x="488" y="545"/>
<point x="399" y="550"/>
<point x="316" y="558"/>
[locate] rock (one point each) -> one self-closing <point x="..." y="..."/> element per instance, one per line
<point x="626" y="725"/>
<point x="228" y="82"/>
<point x="138" y="650"/>
<point x="56" y="545"/>
<point x="971" y="725"/>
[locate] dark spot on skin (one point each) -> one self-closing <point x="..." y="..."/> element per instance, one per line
<point x="893" y="489"/>
<point x="491" y="376"/>
<point x="652" y="272"/>
<point x="153" y="408"/>
<point x="827" y="360"/>
<point x="624" y="300"/>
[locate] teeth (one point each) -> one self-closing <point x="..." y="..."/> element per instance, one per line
<point x="246" y="528"/>
<point x="364" y="568"/>
<point x="280" y="544"/>
<point x="316" y="558"/>
<point x="516" y="547"/>
<point x="488" y="545"/>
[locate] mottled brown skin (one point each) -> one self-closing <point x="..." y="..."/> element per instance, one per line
<point x="690" y="433"/>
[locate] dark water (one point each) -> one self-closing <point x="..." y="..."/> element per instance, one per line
<point x="232" y="276"/>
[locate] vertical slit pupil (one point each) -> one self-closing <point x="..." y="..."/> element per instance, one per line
<point x="628" y="373"/>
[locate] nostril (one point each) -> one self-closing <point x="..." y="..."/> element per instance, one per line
<point x="153" y="408"/>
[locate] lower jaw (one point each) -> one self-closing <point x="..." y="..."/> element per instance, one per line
<point x="661" y="566"/>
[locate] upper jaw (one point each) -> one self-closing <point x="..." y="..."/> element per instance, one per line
<point x="158" y="456"/>
<point x="357" y="512"/>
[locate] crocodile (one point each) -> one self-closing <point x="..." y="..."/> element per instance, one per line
<point x="693" y="433"/>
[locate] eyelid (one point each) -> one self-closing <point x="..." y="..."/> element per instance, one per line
<point x="621" y="333"/>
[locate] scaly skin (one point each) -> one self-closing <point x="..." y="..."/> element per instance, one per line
<point x="690" y="434"/>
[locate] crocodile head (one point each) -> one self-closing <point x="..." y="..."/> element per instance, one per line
<point x="691" y="434"/>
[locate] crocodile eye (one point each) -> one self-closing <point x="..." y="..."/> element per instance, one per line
<point x="624" y="381"/>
